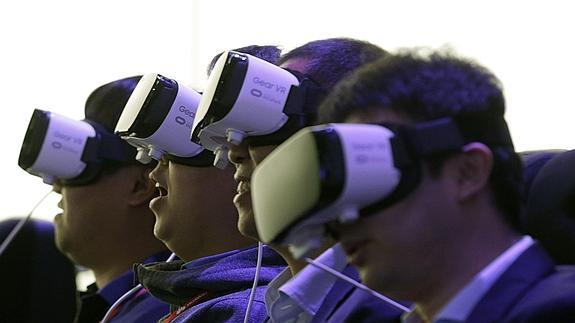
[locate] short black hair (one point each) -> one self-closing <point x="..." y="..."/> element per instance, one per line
<point x="106" y="103"/>
<point x="420" y="85"/>
<point x="320" y="65"/>
<point x="330" y="60"/>
<point x="104" y="107"/>
<point x="268" y="53"/>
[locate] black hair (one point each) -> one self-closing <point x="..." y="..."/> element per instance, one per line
<point x="420" y="86"/>
<point x="106" y="103"/>
<point x="330" y="60"/>
<point x="321" y="64"/>
<point x="104" y="107"/>
<point x="268" y="53"/>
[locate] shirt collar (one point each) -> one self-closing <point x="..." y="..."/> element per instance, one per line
<point x="296" y="292"/>
<point x="273" y="290"/>
<point x="460" y="306"/>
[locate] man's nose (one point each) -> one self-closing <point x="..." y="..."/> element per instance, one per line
<point x="57" y="187"/>
<point x="238" y="154"/>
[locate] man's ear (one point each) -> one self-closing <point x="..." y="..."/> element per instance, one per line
<point x="143" y="188"/>
<point x="473" y="170"/>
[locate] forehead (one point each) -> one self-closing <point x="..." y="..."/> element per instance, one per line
<point x="296" y="64"/>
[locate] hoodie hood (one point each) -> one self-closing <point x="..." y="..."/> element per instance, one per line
<point x="177" y="282"/>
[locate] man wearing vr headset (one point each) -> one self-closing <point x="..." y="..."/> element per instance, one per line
<point x="196" y="219"/>
<point x="312" y="295"/>
<point x="450" y="243"/>
<point x="105" y="224"/>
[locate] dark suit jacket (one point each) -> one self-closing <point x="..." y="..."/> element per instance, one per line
<point x="345" y="303"/>
<point x="532" y="289"/>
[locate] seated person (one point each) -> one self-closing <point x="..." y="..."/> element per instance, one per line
<point x="196" y="219"/>
<point x="38" y="282"/>
<point x="532" y="162"/>
<point x="105" y="224"/>
<point x="550" y="209"/>
<point x="291" y="297"/>
<point x="450" y="244"/>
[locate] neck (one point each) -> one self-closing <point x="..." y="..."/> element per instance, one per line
<point x="458" y="268"/>
<point x="188" y="254"/>
<point x="107" y="274"/>
<point x="119" y="259"/>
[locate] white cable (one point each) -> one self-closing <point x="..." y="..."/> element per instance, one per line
<point x="356" y="284"/>
<point x="128" y="294"/>
<point x="120" y="300"/>
<point x="19" y="225"/>
<point x="255" y="285"/>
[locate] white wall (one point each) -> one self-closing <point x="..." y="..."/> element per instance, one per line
<point x="55" y="52"/>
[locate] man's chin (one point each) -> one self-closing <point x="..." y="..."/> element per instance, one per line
<point x="60" y="246"/>
<point x="161" y="232"/>
<point x="59" y="240"/>
<point x="388" y="283"/>
<point x="246" y="224"/>
<point x="65" y="249"/>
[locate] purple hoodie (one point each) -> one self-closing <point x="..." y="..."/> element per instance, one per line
<point x="227" y="278"/>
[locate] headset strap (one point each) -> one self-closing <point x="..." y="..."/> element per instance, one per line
<point x="301" y="109"/>
<point x="452" y="133"/>
<point x="107" y="146"/>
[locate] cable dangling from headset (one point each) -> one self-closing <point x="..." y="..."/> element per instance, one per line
<point x="255" y="285"/>
<point x="129" y="293"/>
<point x="356" y="284"/>
<point x="20" y="225"/>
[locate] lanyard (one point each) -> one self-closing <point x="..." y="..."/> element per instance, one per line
<point x="200" y="298"/>
<point x="116" y="310"/>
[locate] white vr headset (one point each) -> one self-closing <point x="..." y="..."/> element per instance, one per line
<point x="71" y="151"/>
<point x="336" y="172"/>
<point x="157" y="120"/>
<point x="250" y="97"/>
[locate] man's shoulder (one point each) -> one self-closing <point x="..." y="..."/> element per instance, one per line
<point x="532" y="288"/>
<point x="551" y="299"/>
<point x="229" y="307"/>
<point x="360" y="306"/>
<point x="344" y="303"/>
<point x="142" y="307"/>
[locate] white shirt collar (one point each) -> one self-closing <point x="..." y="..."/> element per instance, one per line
<point x="298" y="299"/>
<point x="460" y="306"/>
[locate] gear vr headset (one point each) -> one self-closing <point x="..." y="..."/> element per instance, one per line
<point x="250" y="97"/>
<point x="70" y="151"/>
<point x="157" y="120"/>
<point x="338" y="172"/>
